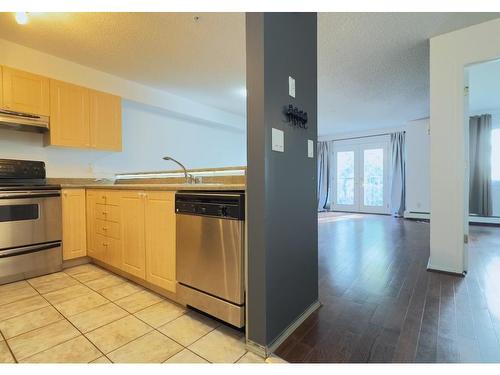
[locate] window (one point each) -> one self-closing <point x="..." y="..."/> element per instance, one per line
<point x="495" y="154"/>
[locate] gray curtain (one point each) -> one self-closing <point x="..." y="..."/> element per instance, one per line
<point x="398" y="182"/>
<point x="324" y="175"/>
<point x="480" y="165"/>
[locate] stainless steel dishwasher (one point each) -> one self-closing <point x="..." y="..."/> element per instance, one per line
<point x="210" y="253"/>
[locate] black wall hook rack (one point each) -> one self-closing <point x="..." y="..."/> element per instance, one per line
<point x="296" y="116"/>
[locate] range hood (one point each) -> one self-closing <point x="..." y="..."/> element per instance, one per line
<point x="23" y="121"/>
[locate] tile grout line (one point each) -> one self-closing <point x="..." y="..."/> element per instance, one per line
<point x="65" y="318"/>
<point x="29" y="312"/>
<point x="8" y="347"/>
<point x="130" y="314"/>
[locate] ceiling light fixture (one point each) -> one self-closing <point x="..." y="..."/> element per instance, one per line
<point x="22" y="18"/>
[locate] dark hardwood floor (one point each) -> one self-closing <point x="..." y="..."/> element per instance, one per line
<point x="381" y="305"/>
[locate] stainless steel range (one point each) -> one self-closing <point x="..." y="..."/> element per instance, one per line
<point x="30" y="221"/>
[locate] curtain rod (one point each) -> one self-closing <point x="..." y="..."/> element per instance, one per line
<point x="362" y="136"/>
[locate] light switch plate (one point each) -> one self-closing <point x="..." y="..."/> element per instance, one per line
<point x="278" y="140"/>
<point x="291" y="86"/>
<point x="310" y="149"/>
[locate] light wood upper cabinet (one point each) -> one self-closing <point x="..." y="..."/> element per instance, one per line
<point x="25" y="92"/>
<point x="160" y="239"/>
<point x="105" y="121"/>
<point x="133" y="233"/>
<point x="74" y="223"/>
<point x="69" y="115"/>
<point x="79" y="117"/>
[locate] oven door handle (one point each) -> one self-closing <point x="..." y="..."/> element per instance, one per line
<point x="30" y="194"/>
<point x="28" y="249"/>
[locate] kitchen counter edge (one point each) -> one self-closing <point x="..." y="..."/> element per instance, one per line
<point x="164" y="187"/>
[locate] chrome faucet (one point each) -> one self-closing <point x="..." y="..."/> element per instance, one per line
<point x="190" y="179"/>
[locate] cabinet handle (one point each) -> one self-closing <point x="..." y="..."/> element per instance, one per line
<point x="104" y="244"/>
<point x="104" y="228"/>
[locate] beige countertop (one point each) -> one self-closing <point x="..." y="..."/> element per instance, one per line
<point x="159" y="186"/>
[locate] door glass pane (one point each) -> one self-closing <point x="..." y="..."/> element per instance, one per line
<point x="373" y="181"/>
<point x="345" y="177"/>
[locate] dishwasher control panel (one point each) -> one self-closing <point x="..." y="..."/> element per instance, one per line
<point x="228" y="205"/>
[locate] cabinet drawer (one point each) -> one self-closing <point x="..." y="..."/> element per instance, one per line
<point x="108" y="213"/>
<point x="107" y="228"/>
<point x="107" y="198"/>
<point x="98" y="247"/>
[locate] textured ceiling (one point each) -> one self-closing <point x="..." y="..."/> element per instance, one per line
<point x="373" y="68"/>
<point x="203" y="60"/>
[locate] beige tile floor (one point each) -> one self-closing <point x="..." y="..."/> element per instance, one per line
<point x="86" y="314"/>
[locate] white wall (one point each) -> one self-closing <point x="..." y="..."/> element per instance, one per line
<point x="449" y="55"/>
<point x="417" y="161"/>
<point x="417" y="167"/>
<point x="31" y="60"/>
<point x="155" y="124"/>
<point x="148" y="135"/>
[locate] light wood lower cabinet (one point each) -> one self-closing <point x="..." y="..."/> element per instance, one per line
<point x="160" y="239"/>
<point x="134" y="231"/>
<point x="73" y="223"/>
<point x="104" y="235"/>
<point x="94" y="242"/>
<point x="133" y="234"/>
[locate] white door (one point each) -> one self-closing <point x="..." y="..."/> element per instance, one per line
<point x="346" y="197"/>
<point x="361" y="177"/>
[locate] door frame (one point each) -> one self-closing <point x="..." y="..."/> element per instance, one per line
<point x="358" y="145"/>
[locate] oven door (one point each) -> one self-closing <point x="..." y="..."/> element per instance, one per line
<point x="29" y="218"/>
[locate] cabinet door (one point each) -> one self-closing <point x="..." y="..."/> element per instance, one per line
<point x="1" y="86"/>
<point x="95" y="248"/>
<point x="160" y="239"/>
<point x="69" y="115"/>
<point x="105" y="121"/>
<point x="73" y="223"/>
<point x="132" y="233"/>
<point x="25" y="92"/>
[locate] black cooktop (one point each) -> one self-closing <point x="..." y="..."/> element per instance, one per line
<point x="23" y="174"/>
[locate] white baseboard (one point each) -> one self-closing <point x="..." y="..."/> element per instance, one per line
<point x="483" y="219"/>
<point x="416" y="215"/>
<point x="472" y="219"/>
<point x="431" y="267"/>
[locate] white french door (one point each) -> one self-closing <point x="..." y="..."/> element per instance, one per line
<point x="360" y="181"/>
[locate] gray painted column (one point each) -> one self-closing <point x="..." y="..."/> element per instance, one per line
<point x="281" y="186"/>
